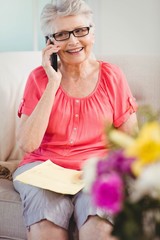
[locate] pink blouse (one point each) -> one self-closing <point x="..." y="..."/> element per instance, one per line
<point x="76" y="126"/>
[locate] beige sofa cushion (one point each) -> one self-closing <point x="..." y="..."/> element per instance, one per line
<point x="14" y="70"/>
<point x="11" y="220"/>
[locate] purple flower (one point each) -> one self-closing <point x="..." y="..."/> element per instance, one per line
<point x="107" y="193"/>
<point x="115" y="161"/>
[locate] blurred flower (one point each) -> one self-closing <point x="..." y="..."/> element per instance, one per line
<point x="120" y="138"/>
<point x="116" y="161"/>
<point x="108" y="193"/>
<point x="126" y="183"/>
<point x="148" y="183"/>
<point x="146" y="147"/>
<point x="89" y="173"/>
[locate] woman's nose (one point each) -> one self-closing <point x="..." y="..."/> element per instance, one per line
<point x="73" y="39"/>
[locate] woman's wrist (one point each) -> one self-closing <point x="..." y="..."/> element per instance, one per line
<point x="52" y="86"/>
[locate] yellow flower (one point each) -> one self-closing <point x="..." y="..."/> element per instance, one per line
<point x="146" y="147"/>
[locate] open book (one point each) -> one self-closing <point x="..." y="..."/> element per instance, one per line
<point x="53" y="177"/>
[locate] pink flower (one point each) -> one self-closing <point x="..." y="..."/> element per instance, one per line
<point x="107" y="193"/>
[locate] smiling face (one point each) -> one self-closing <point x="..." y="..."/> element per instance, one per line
<point x="75" y="49"/>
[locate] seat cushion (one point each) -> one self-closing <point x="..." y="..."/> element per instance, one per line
<point x="11" y="219"/>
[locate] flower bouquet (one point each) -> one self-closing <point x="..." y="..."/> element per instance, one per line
<point x="126" y="184"/>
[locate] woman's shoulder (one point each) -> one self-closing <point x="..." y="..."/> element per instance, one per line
<point x="38" y="72"/>
<point x="38" y="75"/>
<point x="111" y="75"/>
<point x="108" y="67"/>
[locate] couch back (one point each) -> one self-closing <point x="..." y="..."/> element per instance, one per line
<point x="14" y="69"/>
<point x="142" y="72"/>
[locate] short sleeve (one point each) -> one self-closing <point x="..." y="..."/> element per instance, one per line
<point x="121" y="99"/>
<point x="34" y="88"/>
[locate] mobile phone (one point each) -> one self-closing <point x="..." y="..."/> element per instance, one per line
<point x="53" y="58"/>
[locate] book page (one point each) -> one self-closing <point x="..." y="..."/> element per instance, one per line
<point x="53" y="177"/>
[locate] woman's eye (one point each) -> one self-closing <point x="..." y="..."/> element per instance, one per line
<point x="81" y="31"/>
<point x="61" y="35"/>
<point x="78" y="30"/>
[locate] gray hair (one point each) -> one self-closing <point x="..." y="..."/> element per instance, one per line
<point x="62" y="8"/>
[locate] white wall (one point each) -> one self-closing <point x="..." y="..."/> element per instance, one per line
<point x="127" y="26"/>
<point x="122" y="26"/>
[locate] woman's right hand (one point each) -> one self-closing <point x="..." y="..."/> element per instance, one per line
<point x="53" y="76"/>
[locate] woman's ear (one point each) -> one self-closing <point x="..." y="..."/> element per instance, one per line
<point x="93" y="32"/>
<point x="93" y="38"/>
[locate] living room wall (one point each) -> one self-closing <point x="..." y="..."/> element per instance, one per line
<point x="127" y="26"/>
<point x="122" y="26"/>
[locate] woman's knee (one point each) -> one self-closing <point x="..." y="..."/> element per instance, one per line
<point x="46" y="230"/>
<point x="96" y="227"/>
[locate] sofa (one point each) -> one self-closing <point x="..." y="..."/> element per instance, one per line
<point x="143" y="75"/>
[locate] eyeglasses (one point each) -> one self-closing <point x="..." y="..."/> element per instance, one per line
<point x="65" y="35"/>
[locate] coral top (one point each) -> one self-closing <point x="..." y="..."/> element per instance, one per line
<point x="76" y="126"/>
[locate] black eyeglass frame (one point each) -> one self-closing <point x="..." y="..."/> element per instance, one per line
<point x="69" y="33"/>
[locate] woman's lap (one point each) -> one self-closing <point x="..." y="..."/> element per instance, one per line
<point x="39" y="204"/>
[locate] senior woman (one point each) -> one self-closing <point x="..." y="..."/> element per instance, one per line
<point x="62" y="119"/>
